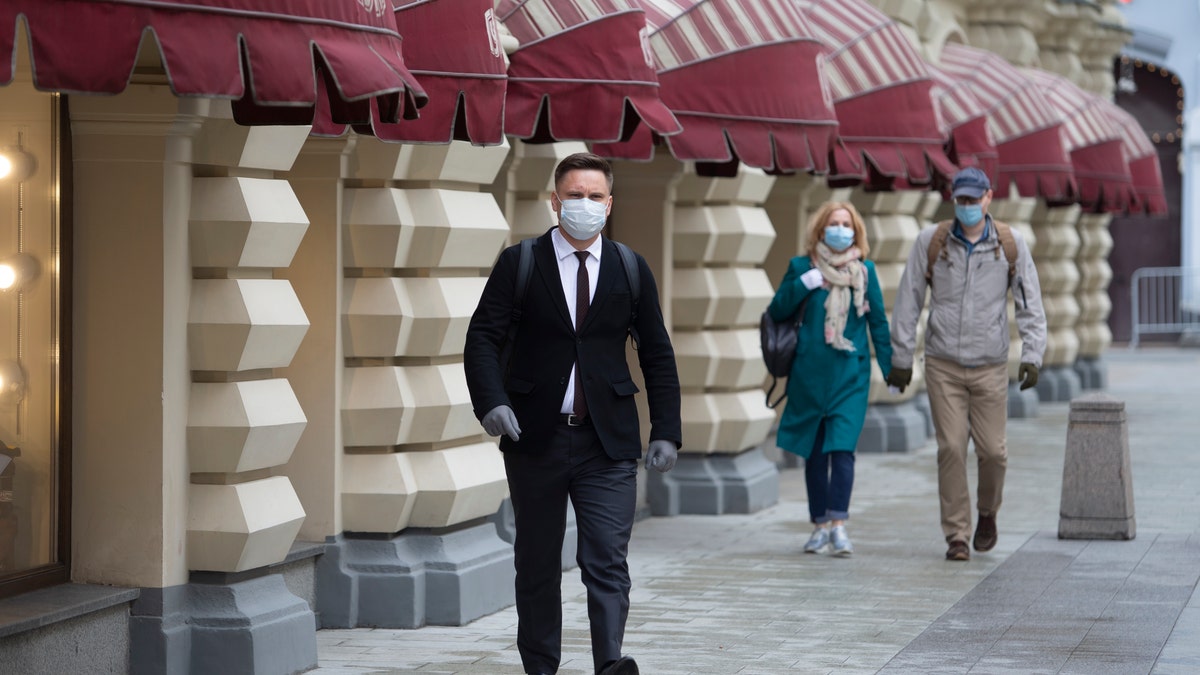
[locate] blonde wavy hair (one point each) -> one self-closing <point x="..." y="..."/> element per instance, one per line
<point x="816" y="227"/>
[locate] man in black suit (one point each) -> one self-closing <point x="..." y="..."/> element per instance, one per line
<point x="564" y="408"/>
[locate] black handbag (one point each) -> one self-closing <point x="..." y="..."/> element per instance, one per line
<point x="778" y="340"/>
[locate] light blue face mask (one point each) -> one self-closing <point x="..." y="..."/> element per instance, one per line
<point x="968" y="214"/>
<point x="838" y="237"/>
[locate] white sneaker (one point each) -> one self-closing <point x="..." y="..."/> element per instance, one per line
<point x="841" y="541"/>
<point x="818" y="540"/>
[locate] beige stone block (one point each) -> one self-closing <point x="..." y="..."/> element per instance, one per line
<point x="1095" y="274"/>
<point x="694" y="232"/>
<point x="1062" y="346"/>
<point x="244" y="222"/>
<point x="744" y="421"/>
<point x="742" y="295"/>
<point x="378" y="492"/>
<point x="457" y="484"/>
<point x="698" y="415"/>
<point x="223" y="142"/>
<point x="906" y="12"/>
<point x="454" y="161"/>
<point x="1057" y="275"/>
<point x="1093" y="307"/>
<point x="532" y="168"/>
<point x="392" y="405"/>
<point x="749" y="186"/>
<point x="1015" y="209"/>
<point x="1094" y="339"/>
<point x="693" y="189"/>
<point x="693" y="293"/>
<point x="904" y="202"/>
<point x="244" y="324"/>
<point x="242" y="426"/>
<point x="532" y="217"/>
<point x="233" y="528"/>
<point x="722" y="234"/>
<point x="738" y="358"/>
<point x="891" y="236"/>
<point x="1056" y="241"/>
<point x="1062" y="310"/>
<point x="408" y="316"/>
<point x="694" y="352"/>
<point x="889" y="275"/>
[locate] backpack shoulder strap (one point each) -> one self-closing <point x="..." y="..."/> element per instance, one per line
<point x="936" y="244"/>
<point x="524" y="276"/>
<point x="1009" y="244"/>
<point x="629" y="262"/>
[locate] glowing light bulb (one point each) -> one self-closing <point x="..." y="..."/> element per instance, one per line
<point x="6" y="166"/>
<point x="15" y="163"/>
<point x="16" y="271"/>
<point x="12" y="382"/>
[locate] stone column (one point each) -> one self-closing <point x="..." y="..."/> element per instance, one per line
<point x="419" y="481"/>
<point x="1054" y="253"/>
<point x="720" y="235"/>
<point x="1092" y="297"/>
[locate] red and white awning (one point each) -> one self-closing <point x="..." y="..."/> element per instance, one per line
<point x="963" y="118"/>
<point x="454" y="48"/>
<point x="888" y="132"/>
<point x="1092" y="141"/>
<point x="274" y="58"/>
<point x="744" y="79"/>
<point x="1148" y="195"/>
<point x="583" y="72"/>
<point x="1026" y="129"/>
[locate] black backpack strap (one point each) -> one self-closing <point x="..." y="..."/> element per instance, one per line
<point x="524" y="275"/>
<point x="629" y="262"/>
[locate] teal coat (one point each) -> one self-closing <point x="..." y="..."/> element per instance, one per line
<point x="828" y="384"/>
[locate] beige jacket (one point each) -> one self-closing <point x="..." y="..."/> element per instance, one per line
<point x="968" y="315"/>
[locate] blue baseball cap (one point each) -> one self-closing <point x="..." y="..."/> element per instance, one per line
<point x="970" y="182"/>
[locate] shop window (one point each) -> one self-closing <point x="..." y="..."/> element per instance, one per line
<point x="34" y="487"/>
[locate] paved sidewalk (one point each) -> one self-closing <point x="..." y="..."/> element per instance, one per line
<point x="735" y="594"/>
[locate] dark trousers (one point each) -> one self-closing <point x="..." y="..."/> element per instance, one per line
<point x="604" y="493"/>
<point x="830" y="478"/>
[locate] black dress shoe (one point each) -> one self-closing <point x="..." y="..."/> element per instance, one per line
<point x="622" y="666"/>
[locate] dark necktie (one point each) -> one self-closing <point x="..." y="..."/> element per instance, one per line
<point x="582" y="300"/>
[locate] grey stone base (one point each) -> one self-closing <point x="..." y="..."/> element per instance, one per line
<point x="1121" y="529"/>
<point x="715" y="484"/>
<point x="1093" y="374"/>
<point x="418" y="578"/>
<point x="506" y="528"/>
<point x="254" y="625"/>
<point x="893" y="427"/>
<point x="66" y="628"/>
<point x="1057" y="384"/>
<point x="1022" y="404"/>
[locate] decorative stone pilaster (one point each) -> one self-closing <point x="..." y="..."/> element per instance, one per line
<point x="419" y="481"/>
<point x="1054" y="252"/>
<point x="721" y="235"/>
<point x="1092" y="297"/>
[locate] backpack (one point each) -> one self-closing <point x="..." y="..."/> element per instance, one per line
<point x="525" y="275"/>
<point x="1003" y="232"/>
<point x="778" y="340"/>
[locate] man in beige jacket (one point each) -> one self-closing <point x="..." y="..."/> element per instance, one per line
<point x="966" y="348"/>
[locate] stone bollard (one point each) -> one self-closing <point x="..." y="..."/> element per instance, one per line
<point x="1097" y="486"/>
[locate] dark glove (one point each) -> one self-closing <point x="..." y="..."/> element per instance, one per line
<point x="899" y="378"/>
<point x="1027" y="375"/>
<point x="502" y="420"/>
<point x="661" y="456"/>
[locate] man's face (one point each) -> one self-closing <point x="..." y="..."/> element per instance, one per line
<point x="582" y="184"/>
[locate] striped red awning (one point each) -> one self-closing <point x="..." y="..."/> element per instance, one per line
<point x="465" y="84"/>
<point x="1024" y="126"/>
<point x="963" y="118"/>
<point x="1148" y="195"/>
<point x="583" y="72"/>
<point x="888" y="133"/>
<point x="1093" y="142"/>
<point x="743" y="78"/>
<point x="274" y="58"/>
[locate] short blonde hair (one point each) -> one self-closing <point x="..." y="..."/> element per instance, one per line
<point x="816" y="227"/>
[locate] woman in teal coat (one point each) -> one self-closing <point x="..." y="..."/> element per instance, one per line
<point x="837" y="289"/>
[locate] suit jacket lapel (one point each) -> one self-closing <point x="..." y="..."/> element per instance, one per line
<point x="546" y="263"/>
<point x="610" y="269"/>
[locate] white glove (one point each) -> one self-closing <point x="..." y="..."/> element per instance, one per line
<point x="812" y="279"/>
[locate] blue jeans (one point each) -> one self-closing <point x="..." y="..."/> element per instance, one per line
<point x="830" y="478"/>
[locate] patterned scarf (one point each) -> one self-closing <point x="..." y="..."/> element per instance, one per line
<point x="846" y="277"/>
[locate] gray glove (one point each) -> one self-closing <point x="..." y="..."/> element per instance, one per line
<point x="502" y="420"/>
<point x="661" y="456"/>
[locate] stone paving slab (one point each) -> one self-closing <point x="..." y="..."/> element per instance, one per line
<point x="717" y="595"/>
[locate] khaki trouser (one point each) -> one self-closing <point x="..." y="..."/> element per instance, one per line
<point x="968" y="402"/>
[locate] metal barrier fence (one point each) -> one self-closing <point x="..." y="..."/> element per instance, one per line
<point x="1164" y="300"/>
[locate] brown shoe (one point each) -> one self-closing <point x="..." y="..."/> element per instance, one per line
<point x="985" y="533"/>
<point x="958" y="551"/>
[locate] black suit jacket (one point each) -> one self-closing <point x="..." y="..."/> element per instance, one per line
<point x="547" y="347"/>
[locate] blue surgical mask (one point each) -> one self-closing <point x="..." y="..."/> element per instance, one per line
<point x="582" y="218"/>
<point x="839" y="237"/>
<point x="968" y="214"/>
